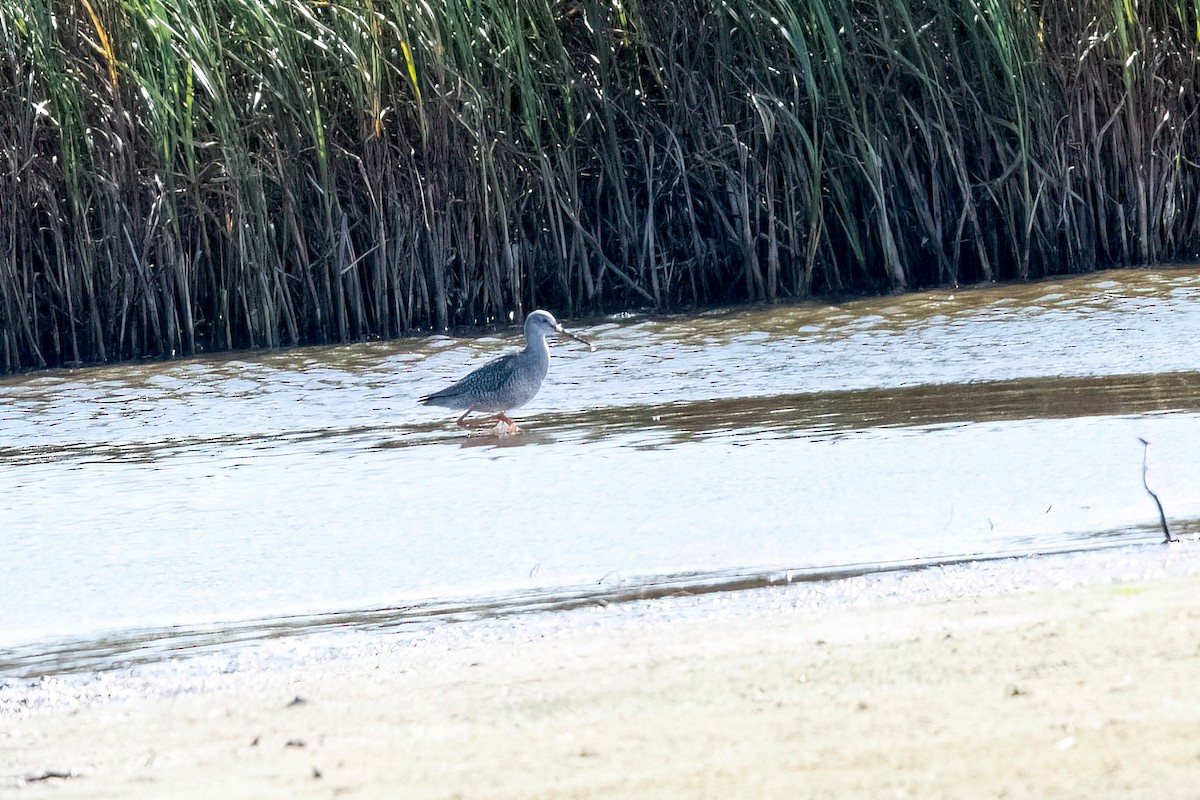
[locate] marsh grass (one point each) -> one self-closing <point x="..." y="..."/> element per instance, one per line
<point x="184" y="177"/>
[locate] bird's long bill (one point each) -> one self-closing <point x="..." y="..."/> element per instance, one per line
<point x="591" y="347"/>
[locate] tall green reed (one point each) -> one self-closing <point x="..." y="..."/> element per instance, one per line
<point x="186" y="177"/>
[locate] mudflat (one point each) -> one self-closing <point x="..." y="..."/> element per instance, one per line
<point x="1086" y="691"/>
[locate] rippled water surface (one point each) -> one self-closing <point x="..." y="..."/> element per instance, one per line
<point x="239" y="497"/>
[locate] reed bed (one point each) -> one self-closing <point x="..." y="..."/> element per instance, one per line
<point x="194" y="176"/>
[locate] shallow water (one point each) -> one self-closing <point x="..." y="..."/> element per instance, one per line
<point x="153" y="509"/>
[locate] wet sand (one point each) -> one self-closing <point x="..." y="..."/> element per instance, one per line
<point x="1087" y="691"/>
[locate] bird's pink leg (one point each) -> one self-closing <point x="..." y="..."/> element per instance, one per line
<point x="485" y="422"/>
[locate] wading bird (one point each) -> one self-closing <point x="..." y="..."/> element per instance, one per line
<point x="508" y="382"/>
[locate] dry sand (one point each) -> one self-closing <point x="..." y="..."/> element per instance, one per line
<point x="1091" y="691"/>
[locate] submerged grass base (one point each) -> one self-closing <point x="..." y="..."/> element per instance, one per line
<point x="197" y="176"/>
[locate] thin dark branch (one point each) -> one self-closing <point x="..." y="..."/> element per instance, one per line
<point x="50" y="774"/>
<point x="1162" y="516"/>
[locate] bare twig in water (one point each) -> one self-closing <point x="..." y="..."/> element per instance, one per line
<point x="50" y="775"/>
<point x="1162" y="516"/>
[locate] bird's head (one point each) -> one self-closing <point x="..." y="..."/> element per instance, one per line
<point x="543" y="323"/>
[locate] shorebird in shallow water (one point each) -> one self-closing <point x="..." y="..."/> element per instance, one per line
<point x="508" y="382"/>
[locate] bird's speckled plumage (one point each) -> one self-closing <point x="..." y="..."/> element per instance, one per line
<point x="510" y="381"/>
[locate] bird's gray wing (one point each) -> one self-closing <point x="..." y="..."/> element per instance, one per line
<point x="483" y="381"/>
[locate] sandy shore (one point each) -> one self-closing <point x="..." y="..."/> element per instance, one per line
<point x="1091" y="691"/>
